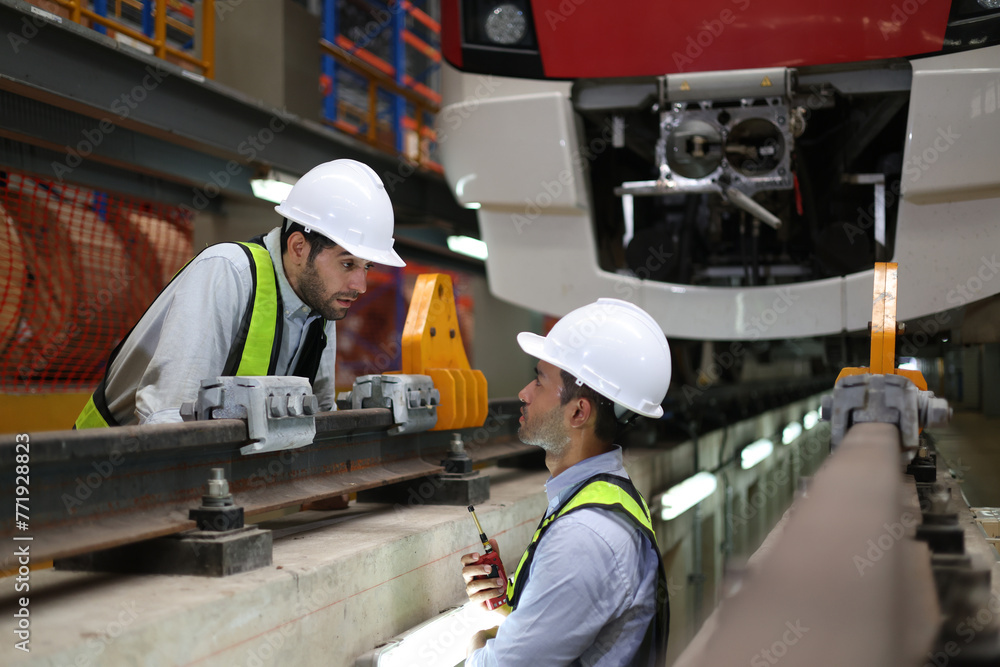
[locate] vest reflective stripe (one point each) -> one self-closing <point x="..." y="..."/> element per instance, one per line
<point x="615" y="494"/>
<point x="256" y="357"/>
<point x="597" y="492"/>
<point x="254" y="350"/>
<point x="90" y="417"/>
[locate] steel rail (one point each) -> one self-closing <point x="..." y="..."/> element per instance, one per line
<point x="96" y="489"/>
<point x="811" y="576"/>
<point x="56" y="446"/>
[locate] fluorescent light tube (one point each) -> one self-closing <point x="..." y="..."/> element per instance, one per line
<point x="682" y="497"/>
<point x="466" y="245"/>
<point x="755" y="452"/>
<point x="275" y="187"/>
<point x="791" y="432"/>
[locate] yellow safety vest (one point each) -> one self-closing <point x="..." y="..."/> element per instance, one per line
<point x="254" y="350"/>
<point x="615" y="494"/>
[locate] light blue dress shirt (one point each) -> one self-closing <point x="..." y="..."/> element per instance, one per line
<point x="591" y="590"/>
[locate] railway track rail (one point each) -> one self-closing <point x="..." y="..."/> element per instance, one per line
<point x="96" y="489"/>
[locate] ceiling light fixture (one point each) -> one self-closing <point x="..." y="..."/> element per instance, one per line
<point x="682" y="497"/>
<point x="466" y="245"/>
<point x="755" y="452"/>
<point x="274" y="187"/>
<point x="791" y="433"/>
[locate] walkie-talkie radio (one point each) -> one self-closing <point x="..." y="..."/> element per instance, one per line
<point x="492" y="558"/>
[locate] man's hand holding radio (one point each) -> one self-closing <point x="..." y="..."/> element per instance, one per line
<point x="485" y="581"/>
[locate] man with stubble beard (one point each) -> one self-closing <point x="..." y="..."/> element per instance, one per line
<point x="264" y="307"/>
<point x="590" y="588"/>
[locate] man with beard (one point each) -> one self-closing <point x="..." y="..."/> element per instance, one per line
<point x="264" y="307"/>
<point x="590" y="588"/>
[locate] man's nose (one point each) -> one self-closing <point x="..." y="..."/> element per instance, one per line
<point x="358" y="282"/>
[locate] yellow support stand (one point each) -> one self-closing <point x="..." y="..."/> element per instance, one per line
<point x="432" y="345"/>
<point x="884" y="329"/>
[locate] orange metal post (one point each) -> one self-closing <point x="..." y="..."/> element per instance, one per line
<point x="883" y="343"/>
<point x="418" y="111"/>
<point x="372" y="111"/>
<point x="208" y="37"/>
<point x="883" y="325"/>
<point x="160" y="30"/>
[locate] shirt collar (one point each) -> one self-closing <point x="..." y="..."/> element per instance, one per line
<point x="290" y="301"/>
<point x="562" y="486"/>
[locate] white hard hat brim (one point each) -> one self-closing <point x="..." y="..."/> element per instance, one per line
<point x="534" y="345"/>
<point x="386" y="257"/>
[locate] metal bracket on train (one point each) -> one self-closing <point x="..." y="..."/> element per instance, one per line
<point x="889" y="399"/>
<point x="279" y="411"/>
<point x="412" y="399"/>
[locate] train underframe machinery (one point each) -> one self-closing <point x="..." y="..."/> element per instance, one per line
<point x="734" y="168"/>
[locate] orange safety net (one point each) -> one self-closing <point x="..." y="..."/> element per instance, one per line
<point x="78" y="267"/>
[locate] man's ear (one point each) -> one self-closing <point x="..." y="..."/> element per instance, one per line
<point x="298" y="247"/>
<point x="582" y="410"/>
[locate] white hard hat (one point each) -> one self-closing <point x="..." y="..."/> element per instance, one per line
<point x="345" y="201"/>
<point x="615" y="348"/>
